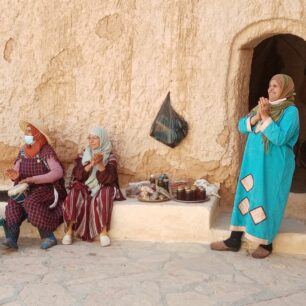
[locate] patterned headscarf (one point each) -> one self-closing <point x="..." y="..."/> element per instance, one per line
<point x="39" y="141"/>
<point x="287" y="86"/>
<point x="287" y="91"/>
<point x="105" y="148"/>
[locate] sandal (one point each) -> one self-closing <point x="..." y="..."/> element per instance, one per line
<point x="261" y="253"/>
<point x="221" y="246"/>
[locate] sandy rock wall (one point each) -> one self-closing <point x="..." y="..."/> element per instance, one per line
<point x="77" y="64"/>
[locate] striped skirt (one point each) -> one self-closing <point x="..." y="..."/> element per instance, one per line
<point x="88" y="214"/>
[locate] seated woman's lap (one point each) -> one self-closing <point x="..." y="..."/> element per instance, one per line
<point x="79" y="195"/>
<point x="14" y="213"/>
<point x="76" y="202"/>
<point x="87" y="212"/>
<point x="35" y="207"/>
<point x="101" y="210"/>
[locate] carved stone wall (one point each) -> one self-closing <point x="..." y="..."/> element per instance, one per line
<point x="77" y="64"/>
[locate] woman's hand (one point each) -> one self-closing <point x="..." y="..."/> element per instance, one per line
<point x="265" y="108"/>
<point x="97" y="158"/>
<point x="28" y="180"/>
<point x="89" y="166"/>
<point x="256" y="117"/>
<point x="12" y="174"/>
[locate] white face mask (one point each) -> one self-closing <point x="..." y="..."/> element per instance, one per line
<point x="28" y="139"/>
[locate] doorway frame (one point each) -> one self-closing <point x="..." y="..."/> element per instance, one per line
<point x="239" y="72"/>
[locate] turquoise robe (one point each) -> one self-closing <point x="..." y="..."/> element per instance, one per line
<point x="265" y="177"/>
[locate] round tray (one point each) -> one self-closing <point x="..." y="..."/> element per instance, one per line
<point x="198" y="201"/>
<point x="152" y="201"/>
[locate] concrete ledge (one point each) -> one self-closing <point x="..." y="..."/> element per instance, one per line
<point x="165" y="221"/>
<point x="291" y="238"/>
<point x="172" y="221"/>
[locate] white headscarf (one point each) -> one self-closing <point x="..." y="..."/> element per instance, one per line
<point x="105" y="148"/>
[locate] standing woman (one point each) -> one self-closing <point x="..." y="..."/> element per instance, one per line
<point x="88" y="206"/>
<point x="267" y="169"/>
<point x="38" y="166"/>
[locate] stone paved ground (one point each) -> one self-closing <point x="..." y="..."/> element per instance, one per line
<point x="144" y="273"/>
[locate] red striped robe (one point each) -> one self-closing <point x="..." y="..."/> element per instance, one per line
<point x="88" y="214"/>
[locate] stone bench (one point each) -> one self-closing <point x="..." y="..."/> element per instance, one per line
<point x="164" y="221"/>
<point x="179" y="222"/>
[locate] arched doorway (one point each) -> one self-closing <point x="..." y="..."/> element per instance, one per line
<point x="238" y="86"/>
<point x="284" y="53"/>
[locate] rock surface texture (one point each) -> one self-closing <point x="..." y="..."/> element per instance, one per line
<point x="77" y="64"/>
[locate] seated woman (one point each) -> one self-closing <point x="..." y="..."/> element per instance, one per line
<point x="88" y="206"/>
<point x="38" y="166"/>
<point x="267" y="169"/>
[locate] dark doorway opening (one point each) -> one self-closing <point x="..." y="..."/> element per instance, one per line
<point x="283" y="53"/>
